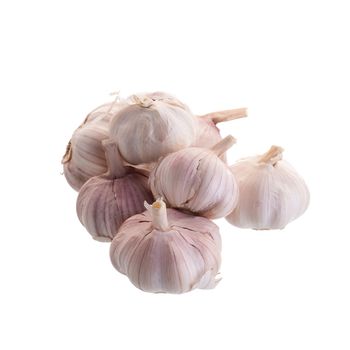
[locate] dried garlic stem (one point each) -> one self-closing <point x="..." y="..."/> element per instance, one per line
<point x="141" y="100"/>
<point x="272" y="156"/>
<point x="114" y="160"/>
<point x="223" y="145"/>
<point x="158" y="214"/>
<point x="224" y="116"/>
<point x="116" y="100"/>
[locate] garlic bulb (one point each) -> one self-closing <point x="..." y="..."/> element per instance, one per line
<point x="106" y="201"/>
<point x="84" y="157"/>
<point x="272" y="194"/>
<point x="167" y="251"/>
<point x="197" y="180"/>
<point x="151" y="128"/>
<point x="208" y="133"/>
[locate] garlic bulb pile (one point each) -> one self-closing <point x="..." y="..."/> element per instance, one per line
<point x="85" y="157"/>
<point x="106" y="201"/>
<point x="196" y="179"/>
<point x="150" y="145"/>
<point x="167" y="251"/>
<point x="272" y="194"/>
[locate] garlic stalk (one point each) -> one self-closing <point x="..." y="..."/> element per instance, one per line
<point x="85" y="157"/>
<point x="152" y="127"/>
<point x="166" y="251"/>
<point x="208" y="134"/>
<point x="196" y="179"/>
<point x="272" y="193"/>
<point x="106" y="201"/>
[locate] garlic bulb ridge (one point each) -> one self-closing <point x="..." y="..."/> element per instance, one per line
<point x="272" y="193"/>
<point x="197" y="180"/>
<point x="164" y="250"/>
<point x="106" y="201"/>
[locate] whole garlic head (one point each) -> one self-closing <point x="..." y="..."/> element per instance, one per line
<point x="106" y="201"/>
<point x="152" y="127"/>
<point x="85" y="157"/>
<point x="197" y="180"/>
<point x="167" y="251"/>
<point x="272" y="193"/>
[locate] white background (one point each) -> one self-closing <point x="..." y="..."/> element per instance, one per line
<point x="288" y="61"/>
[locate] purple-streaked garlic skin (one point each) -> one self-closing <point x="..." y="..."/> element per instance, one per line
<point x="177" y="257"/>
<point x="85" y="156"/>
<point x="197" y="180"/>
<point x="106" y="201"/>
<point x="104" y="204"/>
<point x="272" y="193"/>
<point x="151" y="128"/>
<point x="208" y="133"/>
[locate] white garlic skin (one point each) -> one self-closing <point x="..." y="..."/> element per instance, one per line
<point x="85" y="156"/>
<point x="185" y="256"/>
<point x="151" y="128"/>
<point x="197" y="180"/>
<point x="271" y="196"/>
<point x="103" y="204"/>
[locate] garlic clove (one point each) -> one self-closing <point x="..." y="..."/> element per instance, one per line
<point x="106" y="201"/>
<point x="85" y="157"/>
<point x="164" y="250"/>
<point x="272" y="193"/>
<point x="151" y="128"/>
<point x="197" y="180"/>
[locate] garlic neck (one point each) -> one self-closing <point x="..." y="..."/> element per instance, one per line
<point x="272" y="156"/>
<point x="225" y="116"/>
<point x="114" y="160"/>
<point x="159" y="216"/>
<point x="223" y="145"/>
<point x="142" y="100"/>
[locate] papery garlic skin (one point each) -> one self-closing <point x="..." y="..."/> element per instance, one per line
<point x="195" y="179"/>
<point x="272" y="193"/>
<point x="158" y="96"/>
<point x="151" y="128"/>
<point x="106" y="201"/>
<point x="167" y="251"/>
<point x="85" y="156"/>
